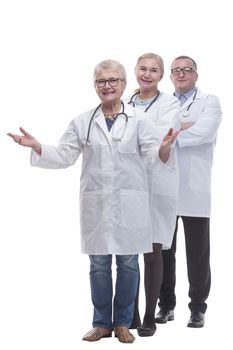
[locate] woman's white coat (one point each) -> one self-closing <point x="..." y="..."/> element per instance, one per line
<point x="163" y="179"/>
<point x="114" y="196"/>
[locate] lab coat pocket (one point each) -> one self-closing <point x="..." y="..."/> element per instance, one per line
<point x="90" y="210"/>
<point x="127" y="147"/>
<point x="135" y="211"/>
<point x="200" y="175"/>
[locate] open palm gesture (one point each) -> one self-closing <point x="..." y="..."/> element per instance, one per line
<point x="26" y="140"/>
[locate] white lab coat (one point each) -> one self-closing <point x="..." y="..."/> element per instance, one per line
<point x="114" y="199"/>
<point x="163" y="179"/>
<point x="195" y="148"/>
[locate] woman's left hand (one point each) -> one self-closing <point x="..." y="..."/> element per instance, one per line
<point x="165" y="147"/>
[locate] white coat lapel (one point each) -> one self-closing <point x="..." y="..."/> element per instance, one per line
<point x="101" y="124"/>
<point x="187" y="103"/>
<point x="190" y="100"/>
<point x="119" y="127"/>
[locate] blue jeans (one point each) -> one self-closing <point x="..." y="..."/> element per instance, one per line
<point x="118" y="312"/>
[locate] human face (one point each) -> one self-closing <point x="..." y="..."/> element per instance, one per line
<point x="185" y="80"/>
<point x="109" y="93"/>
<point x="148" y="73"/>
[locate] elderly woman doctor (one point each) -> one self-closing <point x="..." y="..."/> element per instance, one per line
<point x="115" y="140"/>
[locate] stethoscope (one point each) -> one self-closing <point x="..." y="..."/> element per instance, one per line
<point x="185" y="113"/>
<point x="132" y="103"/>
<point x="120" y="114"/>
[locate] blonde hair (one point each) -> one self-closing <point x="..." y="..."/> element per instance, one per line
<point x="155" y="57"/>
<point x="110" y="64"/>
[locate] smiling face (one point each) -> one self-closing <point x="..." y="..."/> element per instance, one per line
<point x="183" y="79"/>
<point x="148" y="73"/>
<point x="109" y="85"/>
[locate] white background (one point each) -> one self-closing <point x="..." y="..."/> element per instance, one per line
<point x="48" y="52"/>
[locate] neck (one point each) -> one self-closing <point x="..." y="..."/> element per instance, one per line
<point x="184" y="91"/>
<point x="111" y="108"/>
<point x="144" y="95"/>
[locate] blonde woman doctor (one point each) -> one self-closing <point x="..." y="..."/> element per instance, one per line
<point x="164" y="111"/>
<point x="114" y="140"/>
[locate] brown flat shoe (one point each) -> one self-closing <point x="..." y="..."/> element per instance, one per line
<point x="123" y="334"/>
<point x="98" y="333"/>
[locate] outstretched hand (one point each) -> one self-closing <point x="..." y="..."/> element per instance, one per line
<point x="26" y="140"/>
<point x="165" y="147"/>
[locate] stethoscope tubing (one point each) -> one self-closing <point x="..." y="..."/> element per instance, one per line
<point x="89" y="125"/>
<point x="185" y="113"/>
<point x="132" y="103"/>
<point x="116" y="116"/>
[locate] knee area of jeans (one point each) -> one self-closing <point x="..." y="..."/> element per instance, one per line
<point x="100" y="263"/>
<point x="128" y="261"/>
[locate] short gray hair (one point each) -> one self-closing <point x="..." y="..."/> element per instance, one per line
<point x="110" y="64"/>
<point x="183" y="57"/>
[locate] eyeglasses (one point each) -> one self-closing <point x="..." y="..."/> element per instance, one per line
<point x="185" y="70"/>
<point x="112" y="82"/>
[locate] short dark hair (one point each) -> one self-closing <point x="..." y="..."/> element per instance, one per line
<point x="183" y="57"/>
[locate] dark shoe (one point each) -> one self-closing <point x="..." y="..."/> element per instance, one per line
<point x="145" y="331"/>
<point x="98" y="333"/>
<point x="123" y="334"/>
<point x="197" y="320"/>
<point x="164" y="315"/>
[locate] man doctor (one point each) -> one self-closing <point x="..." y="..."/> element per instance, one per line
<point x="115" y="140"/>
<point x="200" y="119"/>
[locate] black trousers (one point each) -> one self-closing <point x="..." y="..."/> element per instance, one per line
<point x="197" y="243"/>
<point x="153" y="274"/>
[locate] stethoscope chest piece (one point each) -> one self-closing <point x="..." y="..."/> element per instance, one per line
<point x="185" y="113"/>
